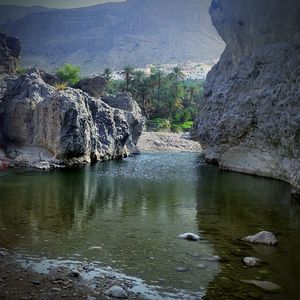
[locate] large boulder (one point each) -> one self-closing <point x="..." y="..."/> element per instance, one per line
<point x="10" y="50"/>
<point x="94" y="86"/>
<point x="45" y="127"/>
<point x="250" y="118"/>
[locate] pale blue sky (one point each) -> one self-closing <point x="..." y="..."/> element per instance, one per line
<point x="56" y="3"/>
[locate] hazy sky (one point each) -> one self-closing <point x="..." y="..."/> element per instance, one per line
<point x="56" y="3"/>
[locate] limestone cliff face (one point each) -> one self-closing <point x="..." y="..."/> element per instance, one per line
<point x="43" y="127"/>
<point x="250" y="119"/>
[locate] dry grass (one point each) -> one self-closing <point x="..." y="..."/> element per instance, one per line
<point x="61" y="86"/>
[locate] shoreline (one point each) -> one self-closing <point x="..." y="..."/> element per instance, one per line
<point x="167" y="142"/>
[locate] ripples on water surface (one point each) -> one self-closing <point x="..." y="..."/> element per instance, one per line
<point x="127" y="215"/>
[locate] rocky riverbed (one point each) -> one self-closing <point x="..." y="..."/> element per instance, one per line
<point x="19" y="281"/>
<point x="167" y="142"/>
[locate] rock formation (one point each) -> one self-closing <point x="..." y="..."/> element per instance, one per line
<point x="94" y="86"/>
<point x="250" y="119"/>
<point x="44" y="128"/>
<point x="10" y="50"/>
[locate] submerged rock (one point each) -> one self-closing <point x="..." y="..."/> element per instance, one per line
<point x="189" y="236"/>
<point x="116" y="292"/>
<point x="249" y="120"/>
<point x="264" y="285"/>
<point x="75" y="273"/>
<point x="263" y="237"/>
<point x="251" y="261"/>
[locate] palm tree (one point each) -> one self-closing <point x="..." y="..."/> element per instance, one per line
<point x="157" y="76"/>
<point x="177" y="73"/>
<point x="107" y="74"/>
<point x="144" y="93"/>
<point x="127" y="73"/>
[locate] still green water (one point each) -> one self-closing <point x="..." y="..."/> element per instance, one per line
<point x="127" y="215"/>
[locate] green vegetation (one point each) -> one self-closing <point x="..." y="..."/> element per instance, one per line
<point x="68" y="73"/>
<point x="167" y="100"/>
<point x="21" y="70"/>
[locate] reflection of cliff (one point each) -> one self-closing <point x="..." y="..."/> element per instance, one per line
<point x="231" y="206"/>
<point x="132" y="210"/>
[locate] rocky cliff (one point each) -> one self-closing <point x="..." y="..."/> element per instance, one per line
<point x="44" y="127"/>
<point x="250" y="119"/>
<point x="115" y="34"/>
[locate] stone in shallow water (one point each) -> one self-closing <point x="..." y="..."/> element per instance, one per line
<point x="116" y="292"/>
<point x="251" y="261"/>
<point x="263" y="237"/>
<point x="189" y="236"/>
<point x="182" y="269"/>
<point x="264" y="285"/>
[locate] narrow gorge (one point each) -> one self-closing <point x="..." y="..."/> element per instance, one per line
<point x="250" y="119"/>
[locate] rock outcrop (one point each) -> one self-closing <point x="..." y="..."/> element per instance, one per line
<point x="250" y="119"/>
<point x="10" y="50"/>
<point x="94" y="86"/>
<point x="43" y="127"/>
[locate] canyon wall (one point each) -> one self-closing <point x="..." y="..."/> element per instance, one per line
<point x="250" y="118"/>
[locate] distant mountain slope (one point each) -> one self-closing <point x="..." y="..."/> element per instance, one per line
<point x="14" y="12"/>
<point x="137" y="32"/>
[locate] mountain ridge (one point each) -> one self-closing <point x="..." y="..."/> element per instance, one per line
<point x="115" y="34"/>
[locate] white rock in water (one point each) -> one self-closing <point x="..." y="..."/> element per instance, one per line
<point x="263" y="237"/>
<point x="264" y="285"/>
<point x="189" y="236"/>
<point x="116" y="292"/>
<point x="251" y="261"/>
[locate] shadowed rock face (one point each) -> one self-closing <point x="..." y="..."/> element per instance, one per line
<point x="10" y="50"/>
<point x="250" y="119"/>
<point x="42" y="127"/>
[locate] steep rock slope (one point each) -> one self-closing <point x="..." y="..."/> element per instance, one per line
<point x="250" y="119"/>
<point x="115" y="34"/>
<point x="44" y="128"/>
<point x="10" y="50"/>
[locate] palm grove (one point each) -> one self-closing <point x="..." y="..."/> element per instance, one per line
<point x="168" y="101"/>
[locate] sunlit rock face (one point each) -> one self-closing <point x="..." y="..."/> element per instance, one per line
<point x="250" y="119"/>
<point x="44" y="127"/>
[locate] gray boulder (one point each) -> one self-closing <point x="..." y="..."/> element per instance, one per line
<point x="63" y="128"/>
<point x="10" y="51"/>
<point x="267" y="286"/>
<point x="189" y="236"/>
<point x="250" y="118"/>
<point x="94" y="86"/>
<point x="116" y="292"/>
<point x="251" y="261"/>
<point x="263" y="237"/>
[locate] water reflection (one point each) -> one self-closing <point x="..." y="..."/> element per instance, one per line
<point x="231" y="206"/>
<point x="126" y="214"/>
